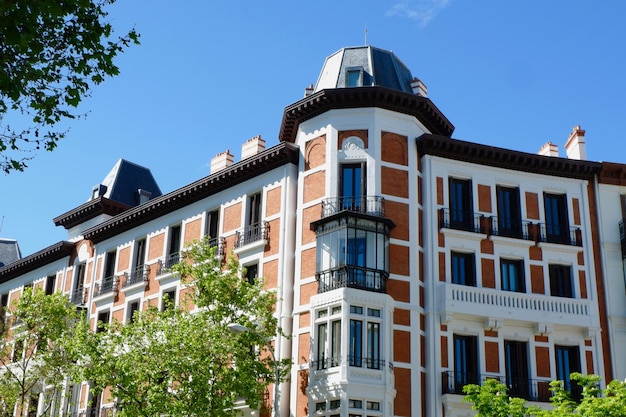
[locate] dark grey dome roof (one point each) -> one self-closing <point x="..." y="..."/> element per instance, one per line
<point x="362" y="66"/>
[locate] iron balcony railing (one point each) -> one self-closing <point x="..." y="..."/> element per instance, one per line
<point x="79" y="295"/>
<point x="562" y="234"/>
<point x="250" y="234"/>
<point x="137" y="275"/>
<point x="106" y="286"/>
<point x="355" y="361"/>
<point x="525" y="388"/>
<point x="372" y="205"/>
<point x="352" y="277"/>
<point x="462" y="220"/>
<point x="166" y="264"/>
<point x="507" y="227"/>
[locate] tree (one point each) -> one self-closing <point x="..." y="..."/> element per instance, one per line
<point x="36" y="353"/>
<point x="182" y="360"/>
<point x="51" y="54"/>
<point x="492" y="399"/>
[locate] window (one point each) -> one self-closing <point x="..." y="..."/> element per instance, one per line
<point x="4" y="304"/>
<point x="254" y="209"/>
<point x="168" y="299"/>
<point x="568" y="361"/>
<point x="78" y="294"/>
<point x="103" y="319"/>
<point x="461" y="207"/>
<point x="109" y="264"/>
<point x="133" y="307"/>
<point x="512" y="274"/>
<point x="50" y="284"/>
<point x="561" y="281"/>
<point x="251" y="273"/>
<point x="140" y="253"/>
<point x="465" y="361"/>
<point x="173" y="246"/>
<point x="354" y="78"/>
<point x="463" y="269"/>
<point x="557" y="223"/>
<point x="370" y="332"/>
<point x="509" y="212"/>
<point x="328" y="345"/>
<point x="353" y="186"/>
<point x="212" y="226"/>
<point x="352" y="252"/>
<point x="516" y="357"/>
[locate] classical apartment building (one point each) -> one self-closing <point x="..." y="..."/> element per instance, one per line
<point x="407" y="263"/>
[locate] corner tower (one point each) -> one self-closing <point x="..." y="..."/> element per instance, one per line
<point x="359" y="331"/>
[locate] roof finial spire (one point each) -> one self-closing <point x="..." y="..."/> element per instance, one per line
<point x="366" y="34"/>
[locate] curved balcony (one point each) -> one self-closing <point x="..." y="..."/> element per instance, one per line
<point x="352" y="277"/>
<point x="370" y="205"/>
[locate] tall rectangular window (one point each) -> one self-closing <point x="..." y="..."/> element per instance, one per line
<point x="335" y="343"/>
<point x="133" y="307"/>
<point x="50" y="284"/>
<point x="109" y="264"/>
<point x="103" y="320"/>
<point x="4" y="304"/>
<point x="509" y="212"/>
<point x="516" y="365"/>
<point x="322" y="340"/>
<point x="251" y="273"/>
<point x="463" y="269"/>
<point x="353" y="186"/>
<point x="140" y="253"/>
<point x="567" y="361"/>
<point x="461" y="206"/>
<point x="173" y="246"/>
<point x="373" y="345"/>
<point x="353" y="78"/>
<point x="512" y="274"/>
<point x="168" y="299"/>
<point x="356" y="342"/>
<point x="254" y="209"/>
<point x="465" y="361"/>
<point x="212" y="226"/>
<point x="561" y="281"/>
<point x="557" y="223"/>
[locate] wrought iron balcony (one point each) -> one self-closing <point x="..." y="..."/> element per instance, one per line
<point x="462" y="220"/>
<point x="106" y="286"/>
<point x="562" y="234"/>
<point x="352" y="277"/>
<point x="137" y="275"/>
<point x="526" y="388"/>
<point x="165" y="265"/>
<point x="79" y="295"/>
<point x="371" y="205"/>
<point x="507" y="227"/>
<point x="254" y="233"/>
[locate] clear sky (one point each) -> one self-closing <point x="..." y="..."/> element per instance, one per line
<point x="212" y="74"/>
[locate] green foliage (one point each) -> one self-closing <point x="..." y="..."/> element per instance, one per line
<point x="37" y="351"/>
<point x="178" y="363"/>
<point x="492" y="400"/>
<point x="51" y="54"/>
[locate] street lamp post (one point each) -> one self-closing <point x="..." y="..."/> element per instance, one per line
<point x="235" y="328"/>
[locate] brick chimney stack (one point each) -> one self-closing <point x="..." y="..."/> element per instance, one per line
<point x="549" y="149"/>
<point x="575" y="145"/>
<point x="221" y="161"/>
<point x="419" y="88"/>
<point x="252" y="147"/>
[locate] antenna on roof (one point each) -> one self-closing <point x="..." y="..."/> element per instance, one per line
<point x="366" y="35"/>
<point x="1" y="223"/>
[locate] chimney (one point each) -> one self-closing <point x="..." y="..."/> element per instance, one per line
<point x="549" y="149"/>
<point x="309" y="90"/>
<point x="575" y="145"/>
<point x="419" y="88"/>
<point x="221" y="161"/>
<point x="252" y="147"/>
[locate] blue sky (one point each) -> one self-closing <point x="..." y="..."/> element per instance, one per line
<point x="211" y="74"/>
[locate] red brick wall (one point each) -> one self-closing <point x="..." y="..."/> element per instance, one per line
<point x="394" y="182"/>
<point x="394" y="148"/>
<point x="542" y="356"/>
<point x="314" y="186"/>
<point x="193" y="231"/>
<point x="232" y="217"/>
<point x="532" y="206"/>
<point x="402" y="403"/>
<point x="399" y="213"/>
<point x="315" y="152"/>
<point x="484" y="198"/>
<point x="536" y="279"/>
<point x="492" y="357"/>
<point x="488" y="273"/>
<point x="156" y="246"/>
<point x="359" y="133"/>
<point x="273" y="199"/>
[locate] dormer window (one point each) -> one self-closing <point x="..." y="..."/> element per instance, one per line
<point x="354" y="77"/>
<point x="144" y="195"/>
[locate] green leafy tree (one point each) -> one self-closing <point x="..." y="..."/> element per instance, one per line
<point x="492" y="400"/>
<point x="51" y="54"/>
<point x="36" y="351"/>
<point x="182" y="360"/>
